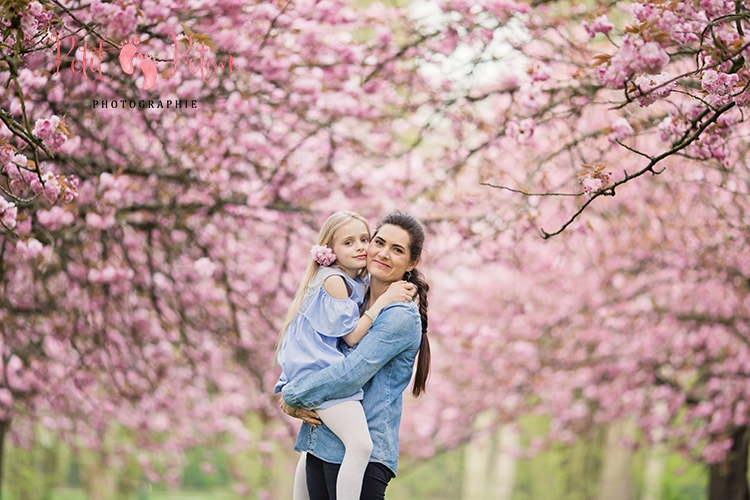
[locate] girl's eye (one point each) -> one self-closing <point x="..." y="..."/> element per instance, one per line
<point x="365" y="240"/>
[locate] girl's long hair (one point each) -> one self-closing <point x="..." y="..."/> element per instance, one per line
<point x="416" y="243"/>
<point x="325" y="237"/>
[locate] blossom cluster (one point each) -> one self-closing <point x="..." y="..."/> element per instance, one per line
<point x="621" y="129"/>
<point x="600" y="25"/>
<point x="711" y="146"/>
<point x="23" y="174"/>
<point x="521" y="131"/>
<point x="50" y="130"/>
<point x="593" y="180"/>
<point x="650" y="88"/>
<point x="720" y="86"/>
<point x="8" y="213"/>
<point x="634" y="56"/>
<point x="34" y="19"/>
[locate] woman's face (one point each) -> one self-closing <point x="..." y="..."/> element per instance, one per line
<point x="388" y="256"/>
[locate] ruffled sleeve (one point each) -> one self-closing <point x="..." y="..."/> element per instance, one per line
<point x="332" y="317"/>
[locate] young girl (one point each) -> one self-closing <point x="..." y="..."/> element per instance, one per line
<point x="326" y="308"/>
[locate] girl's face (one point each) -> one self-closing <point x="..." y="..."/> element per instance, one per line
<point x="388" y="256"/>
<point x="350" y="246"/>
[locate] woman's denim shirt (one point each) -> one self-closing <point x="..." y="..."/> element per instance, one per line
<point x="382" y="365"/>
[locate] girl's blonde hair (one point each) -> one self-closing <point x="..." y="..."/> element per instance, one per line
<point x="325" y="237"/>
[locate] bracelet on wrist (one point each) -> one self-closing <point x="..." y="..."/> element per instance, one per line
<point x="371" y="315"/>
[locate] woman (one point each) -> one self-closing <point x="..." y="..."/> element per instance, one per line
<point x="382" y="365"/>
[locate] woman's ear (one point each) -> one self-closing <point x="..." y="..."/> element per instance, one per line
<point x="412" y="265"/>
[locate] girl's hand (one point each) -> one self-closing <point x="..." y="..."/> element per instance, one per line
<point x="398" y="291"/>
<point x="308" y="416"/>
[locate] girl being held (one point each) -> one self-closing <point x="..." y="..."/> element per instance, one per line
<point x="326" y="308"/>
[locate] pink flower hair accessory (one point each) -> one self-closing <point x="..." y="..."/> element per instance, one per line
<point x="323" y="255"/>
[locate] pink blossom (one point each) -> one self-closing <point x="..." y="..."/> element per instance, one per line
<point x="652" y="58"/>
<point x="8" y="213"/>
<point x="667" y="129"/>
<point x="619" y="68"/>
<point x="204" y="267"/>
<point x="6" y="154"/>
<point x="742" y="99"/>
<point x="15" y="374"/>
<point x="645" y="11"/>
<point x="97" y="221"/>
<point x="6" y="398"/>
<point x="53" y="348"/>
<point x="29" y="249"/>
<point x="23" y="227"/>
<point x="35" y="8"/>
<point x="52" y="188"/>
<point x="47" y="129"/>
<point x="308" y="85"/>
<point x="600" y="25"/>
<point x="716" y="83"/>
<point x="30" y="26"/>
<point x="18" y="160"/>
<point x="207" y="467"/>
<point x="620" y="130"/>
<point x="241" y="489"/>
<point x="526" y="128"/>
<point x="593" y="180"/>
<point x="55" y="218"/>
<point x="540" y="71"/>
<point x="520" y="131"/>
<point x="634" y="56"/>
<point x="741" y="413"/>
<point x="159" y="422"/>
<point x="649" y="88"/>
<point x="512" y="129"/>
<point x="716" y="451"/>
<point x="531" y="97"/>
<point x="716" y="8"/>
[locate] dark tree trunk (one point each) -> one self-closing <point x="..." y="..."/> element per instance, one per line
<point x="728" y="480"/>
<point x="3" y="430"/>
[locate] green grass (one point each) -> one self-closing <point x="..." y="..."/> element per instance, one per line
<point x="79" y="494"/>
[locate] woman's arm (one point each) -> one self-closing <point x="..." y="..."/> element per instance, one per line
<point x="397" y="328"/>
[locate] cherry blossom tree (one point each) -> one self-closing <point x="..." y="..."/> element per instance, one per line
<point x="149" y="249"/>
<point x="659" y="90"/>
<point x="144" y="291"/>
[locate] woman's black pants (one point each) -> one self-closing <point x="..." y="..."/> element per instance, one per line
<point x="321" y="480"/>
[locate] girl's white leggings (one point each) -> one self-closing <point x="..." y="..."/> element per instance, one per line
<point x="347" y="420"/>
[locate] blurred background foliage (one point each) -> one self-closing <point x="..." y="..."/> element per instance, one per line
<point x="51" y="470"/>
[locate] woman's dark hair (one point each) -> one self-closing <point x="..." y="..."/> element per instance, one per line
<point x="416" y="242"/>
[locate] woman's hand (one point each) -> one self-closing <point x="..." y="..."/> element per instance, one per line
<point x="308" y="416"/>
